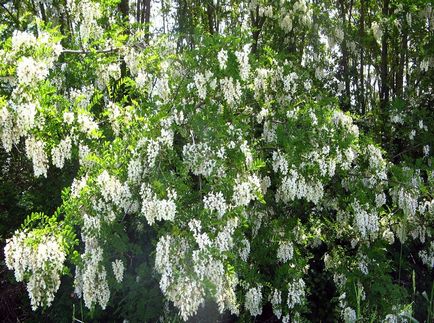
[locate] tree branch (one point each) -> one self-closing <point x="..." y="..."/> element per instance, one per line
<point x="98" y="51"/>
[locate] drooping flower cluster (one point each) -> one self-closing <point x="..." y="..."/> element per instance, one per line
<point x="253" y="301"/>
<point x="154" y="209"/>
<point x="43" y="263"/>
<point x="285" y="251"/>
<point x="296" y="293"/>
<point x="118" y="270"/>
<point x="215" y="202"/>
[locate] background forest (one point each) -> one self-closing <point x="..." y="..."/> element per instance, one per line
<point x="216" y="161"/>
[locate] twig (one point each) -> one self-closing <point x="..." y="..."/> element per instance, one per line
<point x="98" y="51"/>
<point x="16" y="20"/>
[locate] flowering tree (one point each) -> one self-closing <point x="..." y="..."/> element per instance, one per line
<point x="234" y="159"/>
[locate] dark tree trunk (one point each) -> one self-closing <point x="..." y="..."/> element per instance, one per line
<point x="362" y="45"/>
<point x="384" y="91"/>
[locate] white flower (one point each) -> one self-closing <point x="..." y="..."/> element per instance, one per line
<point x="155" y="209"/>
<point x="243" y="61"/>
<point x="286" y="23"/>
<point x="42" y="262"/>
<point x="244" y="192"/>
<point x="61" y="152"/>
<point x="118" y="270"/>
<point x="222" y="58"/>
<point x="349" y="315"/>
<point x="22" y="39"/>
<point x="200" y="82"/>
<point x="365" y="222"/>
<point x="200" y="158"/>
<point x="30" y="71"/>
<point x="35" y="152"/>
<point x="215" y="202"/>
<point x="285" y="251"/>
<point x="276" y="301"/>
<point x="253" y="302"/>
<point x="426" y="150"/>
<point x="231" y="90"/>
<point x="296" y="293"/>
<point x="380" y="199"/>
<point x="68" y="117"/>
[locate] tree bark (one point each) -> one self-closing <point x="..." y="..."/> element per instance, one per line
<point x="384" y="91"/>
<point x="346" y="100"/>
<point x="362" y="45"/>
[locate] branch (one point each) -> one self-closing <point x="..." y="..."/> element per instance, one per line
<point x="16" y="20"/>
<point x="82" y="51"/>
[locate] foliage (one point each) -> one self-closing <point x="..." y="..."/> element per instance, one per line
<point x="248" y="167"/>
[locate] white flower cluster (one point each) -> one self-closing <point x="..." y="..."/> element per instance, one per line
<point x="202" y="238"/>
<point x="286" y="23"/>
<point x="243" y="61"/>
<point x="391" y="318"/>
<point x="201" y="81"/>
<point x="78" y="185"/>
<point x="155" y="209"/>
<point x="380" y="199"/>
<point x="290" y="85"/>
<point x="215" y="202"/>
<point x="141" y="165"/>
<point x="114" y="191"/>
<point x="363" y="264"/>
<point x="22" y="40"/>
<point x="345" y="121"/>
<point x="260" y="82"/>
<point x="285" y="251"/>
<point x="222" y="58"/>
<point x="87" y="124"/>
<point x="30" y="71"/>
<point x="296" y="293"/>
<point x="26" y="113"/>
<point x="279" y="163"/>
<point x="276" y="301"/>
<point x="247" y="152"/>
<point x="68" y="117"/>
<point x="406" y="200"/>
<point x="85" y="15"/>
<point x="377" y="31"/>
<point x="427" y="256"/>
<point x="295" y="186"/>
<point x="246" y="191"/>
<point x="200" y="158"/>
<point x="91" y="280"/>
<point x="349" y="315"/>
<point x="105" y="72"/>
<point x="245" y="250"/>
<point x="61" y="152"/>
<point x="43" y="263"/>
<point x="365" y="222"/>
<point x="118" y="270"/>
<point x="35" y="152"/>
<point x="207" y="270"/>
<point x="224" y="239"/>
<point x="188" y="306"/>
<point x="7" y="130"/>
<point x="253" y="302"/>
<point x="231" y="90"/>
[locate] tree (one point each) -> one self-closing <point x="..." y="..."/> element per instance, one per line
<point x="231" y="164"/>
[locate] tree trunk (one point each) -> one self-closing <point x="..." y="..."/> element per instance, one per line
<point x="402" y="60"/>
<point x="362" y="45"/>
<point x="384" y="91"/>
<point x="346" y="100"/>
